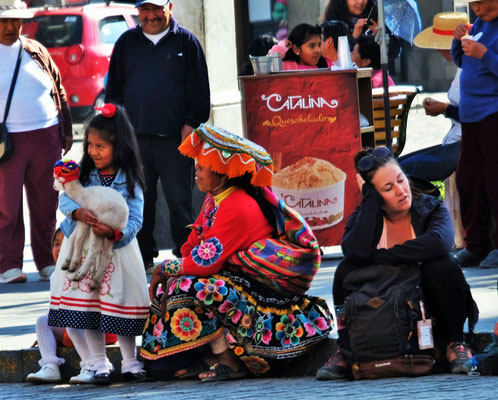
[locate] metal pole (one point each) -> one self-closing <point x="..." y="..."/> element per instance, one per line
<point x="383" y="62"/>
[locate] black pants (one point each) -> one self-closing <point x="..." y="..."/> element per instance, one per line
<point x="162" y="160"/>
<point x="447" y="298"/>
<point x="477" y="183"/>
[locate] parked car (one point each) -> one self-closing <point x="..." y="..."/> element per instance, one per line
<point x="80" y="41"/>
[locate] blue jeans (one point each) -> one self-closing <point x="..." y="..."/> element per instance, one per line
<point x="432" y="163"/>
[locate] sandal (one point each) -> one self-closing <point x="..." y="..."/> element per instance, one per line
<point x="194" y="369"/>
<point x="225" y="373"/>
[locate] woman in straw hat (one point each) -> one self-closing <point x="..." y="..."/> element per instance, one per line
<point x="39" y="124"/>
<point x="241" y="281"/>
<point x="476" y="52"/>
<point x="440" y="161"/>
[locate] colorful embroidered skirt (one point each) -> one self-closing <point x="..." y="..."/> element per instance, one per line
<point x="262" y="328"/>
<point x="119" y="306"/>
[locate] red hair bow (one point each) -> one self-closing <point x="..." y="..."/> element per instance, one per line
<point x="108" y="110"/>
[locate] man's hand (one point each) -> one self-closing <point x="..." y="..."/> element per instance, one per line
<point x="433" y="107"/>
<point x="67" y="143"/>
<point x="186" y="130"/>
<point x="86" y="216"/>
<point x="460" y="31"/>
<point x="472" y="48"/>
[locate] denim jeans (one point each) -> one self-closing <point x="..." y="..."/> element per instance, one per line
<point x="432" y="163"/>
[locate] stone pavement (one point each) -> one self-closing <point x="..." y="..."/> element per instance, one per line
<point x="441" y="386"/>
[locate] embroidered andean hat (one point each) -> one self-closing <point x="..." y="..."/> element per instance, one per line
<point x="440" y="35"/>
<point x="229" y="154"/>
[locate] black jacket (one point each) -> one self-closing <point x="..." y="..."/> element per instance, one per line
<point x="431" y="222"/>
<point x="162" y="86"/>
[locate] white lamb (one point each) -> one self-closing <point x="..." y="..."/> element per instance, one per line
<point x="109" y="207"/>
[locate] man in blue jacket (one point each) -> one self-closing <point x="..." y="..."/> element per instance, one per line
<point x="158" y="73"/>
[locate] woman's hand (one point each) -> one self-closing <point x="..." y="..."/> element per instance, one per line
<point x="86" y="216"/>
<point x="471" y="48"/>
<point x="103" y="230"/>
<point x="360" y="181"/>
<point x="358" y="28"/>
<point x="164" y="299"/>
<point x="433" y="107"/>
<point x="374" y="26"/>
<point x="460" y="31"/>
<point x="155" y="280"/>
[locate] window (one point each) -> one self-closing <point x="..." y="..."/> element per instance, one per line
<point x="111" y="28"/>
<point x="55" y="30"/>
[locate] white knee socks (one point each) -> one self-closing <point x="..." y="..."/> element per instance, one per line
<point x="46" y="342"/>
<point x="128" y="349"/>
<point x="80" y="344"/>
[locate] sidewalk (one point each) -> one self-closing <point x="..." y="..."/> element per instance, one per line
<point x="22" y="304"/>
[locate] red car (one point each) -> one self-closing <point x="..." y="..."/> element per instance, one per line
<point x="80" y="41"/>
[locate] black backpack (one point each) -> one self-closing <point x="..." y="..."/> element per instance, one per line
<point x="382" y="311"/>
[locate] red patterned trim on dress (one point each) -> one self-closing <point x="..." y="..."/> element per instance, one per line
<point x="94" y="303"/>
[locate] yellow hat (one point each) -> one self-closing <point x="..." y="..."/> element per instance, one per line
<point x="440" y="35"/>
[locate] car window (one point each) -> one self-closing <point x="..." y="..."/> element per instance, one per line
<point x="111" y="28"/>
<point x="55" y="30"/>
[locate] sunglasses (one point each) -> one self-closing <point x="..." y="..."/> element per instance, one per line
<point x="377" y="156"/>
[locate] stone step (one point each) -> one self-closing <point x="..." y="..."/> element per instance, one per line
<point x="15" y="365"/>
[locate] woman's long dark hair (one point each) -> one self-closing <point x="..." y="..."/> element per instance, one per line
<point x="338" y="9"/>
<point x="300" y="35"/>
<point x="118" y="131"/>
<point x="244" y="182"/>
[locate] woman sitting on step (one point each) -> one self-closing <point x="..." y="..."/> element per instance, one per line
<point x="240" y="284"/>
<point x="395" y="226"/>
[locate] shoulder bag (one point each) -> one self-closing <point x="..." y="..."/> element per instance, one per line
<point x="5" y="140"/>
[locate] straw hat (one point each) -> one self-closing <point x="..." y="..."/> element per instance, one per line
<point x="228" y="154"/>
<point x="14" y="9"/>
<point x="440" y="35"/>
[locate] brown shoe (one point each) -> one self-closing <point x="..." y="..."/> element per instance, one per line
<point x="337" y="367"/>
<point x="457" y="353"/>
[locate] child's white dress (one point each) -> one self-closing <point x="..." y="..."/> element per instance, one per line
<point x="121" y="304"/>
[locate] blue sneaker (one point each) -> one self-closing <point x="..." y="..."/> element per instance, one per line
<point x="491" y="261"/>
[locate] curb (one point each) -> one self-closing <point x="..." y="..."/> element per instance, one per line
<point x="15" y="365"/>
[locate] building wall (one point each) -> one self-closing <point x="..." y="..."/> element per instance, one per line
<point x="213" y="23"/>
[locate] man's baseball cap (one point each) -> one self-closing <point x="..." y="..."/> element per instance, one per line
<point x="155" y="2"/>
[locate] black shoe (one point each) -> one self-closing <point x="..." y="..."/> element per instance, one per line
<point x="337" y="367"/>
<point x="136" y="377"/>
<point x="102" y="378"/>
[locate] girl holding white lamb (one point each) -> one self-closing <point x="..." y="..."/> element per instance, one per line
<point x="120" y="303"/>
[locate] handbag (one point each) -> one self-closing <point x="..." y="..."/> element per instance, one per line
<point x="5" y="139"/>
<point x="406" y="365"/>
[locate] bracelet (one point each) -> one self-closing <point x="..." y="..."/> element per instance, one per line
<point x="163" y="267"/>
